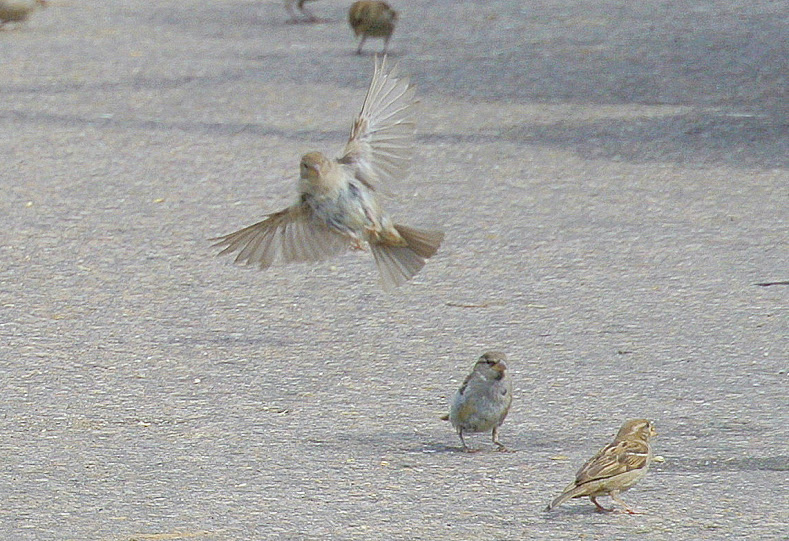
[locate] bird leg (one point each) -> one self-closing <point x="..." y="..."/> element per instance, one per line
<point x="311" y="18"/>
<point x="600" y="507"/>
<point x="359" y="49"/>
<point x="294" y="19"/>
<point x="628" y="510"/>
<point x="466" y="448"/>
<point x="289" y="8"/>
<point x="499" y="446"/>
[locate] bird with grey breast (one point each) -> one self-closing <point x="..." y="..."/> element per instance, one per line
<point x="483" y="400"/>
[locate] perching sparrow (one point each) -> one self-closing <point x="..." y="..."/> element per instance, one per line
<point x="372" y="18"/>
<point x="18" y="10"/>
<point x="309" y="17"/>
<point x="484" y="399"/>
<point x="615" y="468"/>
<point x="338" y="206"/>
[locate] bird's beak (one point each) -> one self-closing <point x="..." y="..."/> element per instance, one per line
<point x="310" y="170"/>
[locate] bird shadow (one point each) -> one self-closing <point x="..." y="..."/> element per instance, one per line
<point x="576" y="511"/>
<point x="371" y="53"/>
<point x="441" y="448"/>
<point x="314" y="20"/>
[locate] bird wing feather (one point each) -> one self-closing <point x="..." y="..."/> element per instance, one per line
<point x="289" y="236"/>
<point x="616" y="458"/>
<point x="381" y="141"/>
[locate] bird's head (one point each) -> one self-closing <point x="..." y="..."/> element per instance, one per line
<point x="492" y="365"/>
<point x="641" y="429"/>
<point x="312" y="165"/>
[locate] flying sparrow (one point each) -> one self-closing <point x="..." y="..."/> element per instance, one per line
<point x="374" y="19"/>
<point x="615" y="468"/>
<point x="18" y="10"/>
<point x="484" y="399"/>
<point x="338" y="206"/>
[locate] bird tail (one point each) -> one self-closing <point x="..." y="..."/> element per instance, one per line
<point x="569" y="493"/>
<point x="397" y="263"/>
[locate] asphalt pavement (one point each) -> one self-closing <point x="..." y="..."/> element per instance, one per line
<point x="613" y="181"/>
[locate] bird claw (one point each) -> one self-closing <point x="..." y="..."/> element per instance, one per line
<point x="629" y="511"/>
<point x="600" y="508"/>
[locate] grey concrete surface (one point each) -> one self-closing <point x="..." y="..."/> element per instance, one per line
<point x="613" y="178"/>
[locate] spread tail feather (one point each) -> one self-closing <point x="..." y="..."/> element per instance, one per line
<point x="423" y="242"/>
<point x="398" y="264"/>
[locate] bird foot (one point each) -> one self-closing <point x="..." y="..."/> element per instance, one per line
<point x="628" y="511"/>
<point x="600" y="508"/>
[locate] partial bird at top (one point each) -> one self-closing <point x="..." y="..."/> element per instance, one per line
<point x="18" y="10"/>
<point x="374" y="19"/>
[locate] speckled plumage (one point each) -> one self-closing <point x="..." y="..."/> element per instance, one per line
<point x="615" y="468"/>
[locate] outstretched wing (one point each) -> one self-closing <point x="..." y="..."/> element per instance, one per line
<point x="289" y="236"/>
<point x="381" y="141"/>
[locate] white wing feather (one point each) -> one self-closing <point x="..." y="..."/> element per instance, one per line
<point x="381" y="141"/>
